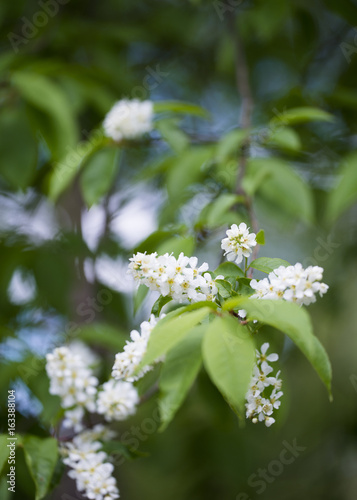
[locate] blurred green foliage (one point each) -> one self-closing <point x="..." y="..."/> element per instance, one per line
<point x="57" y="82"/>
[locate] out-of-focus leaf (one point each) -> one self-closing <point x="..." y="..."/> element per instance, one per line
<point x="102" y="334"/>
<point x="345" y="193"/>
<point x="283" y="187"/>
<point x="284" y="138"/>
<point x="302" y="115"/>
<point x="66" y="170"/>
<point x="187" y="170"/>
<point x="47" y="97"/>
<point x="215" y="213"/>
<point x="230" y="144"/>
<point x="139" y="297"/>
<point x="172" y="134"/>
<point x="18" y="148"/>
<point x="153" y="242"/>
<point x="180" y="107"/>
<point x="177" y="245"/>
<point x="41" y="456"/>
<point x="98" y="174"/>
<point x="4" y="450"/>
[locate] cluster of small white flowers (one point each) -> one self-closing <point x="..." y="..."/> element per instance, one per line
<point x="117" y="400"/>
<point x="292" y="283"/>
<point x="89" y="466"/>
<point x="260" y="408"/>
<point x="72" y="380"/>
<point x="239" y="243"/>
<point x="129" y="119"/>
<point x="127" y="361"/>
<point x="85" y="352"/>
<point x="178" y="278"/>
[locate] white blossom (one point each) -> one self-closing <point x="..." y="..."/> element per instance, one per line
<point x="73" y="419"/>
<point x="239" y="243"/>
<point x="117" y="400"/>
<point x="129" y="119"/>
<point x="71" y="379"/>
<point x="260" y="405"/>
<point x="89" y="466"/>
<point x="178" y="278"/>
<point x="292" y="283"/>
<point x="127" y="361"/>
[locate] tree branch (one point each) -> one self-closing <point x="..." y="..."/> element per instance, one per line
<point x="245" y="120"/>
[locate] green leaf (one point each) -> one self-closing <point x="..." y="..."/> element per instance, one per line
<point x="267" y="265"/>
<point x="177" y="245"/>
<point x="180" y="107"/>
<point x="180" y="369"/>
<point x="66" y="170"/>
<point x="345" y="193"/>
<point x="60" y="129"/>
<point x="282" y="187"/>
<point x="18" y="148"/>
<point x="187" y="169"/>
<point x="260" y="237"/>
<point x="102" y="334"/>
<point x="228" y="269"/>
<point x="98" y="174"/>
<point x="215" y="213"/>
<point x="301" y="115"/>
<point x="284" y="138"/>
<point x="41" y="456"/>
<point x="295" y="322"/>
<point x="230" y="144"/>
<point x="172" y="134"/>
<point x="4" y="450"/>
<point x="224" y="288"/>
<point x="159" y="304"/>
<point x="229" y="356"/>
<point x="169" y="331"/>
<point x="153" y="242"/>
<point x="139" y="297"/>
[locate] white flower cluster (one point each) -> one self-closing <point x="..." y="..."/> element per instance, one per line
<point x="117" y="400"/>
<point x="178" y="278"/>
<point x="260" y="408"/>
<point x="127" y="361"/>
<point x="129" y="119"/>
<point x="72" y="380"/>
<point x="292" y="283"/>
<point x="89" y="466"/>
<point x="239" y="243"/>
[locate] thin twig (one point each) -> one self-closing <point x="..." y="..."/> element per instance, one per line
<point x="245" y="121"/>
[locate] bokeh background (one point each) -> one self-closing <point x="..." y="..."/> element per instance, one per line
<point x="62" y="66"/>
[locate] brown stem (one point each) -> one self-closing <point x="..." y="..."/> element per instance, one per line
<point x="245" y="121"/>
